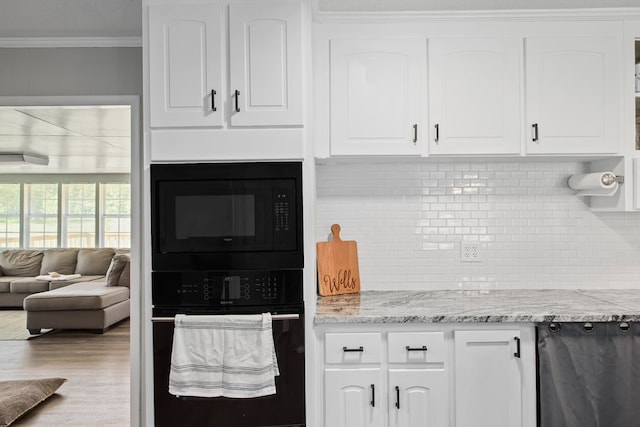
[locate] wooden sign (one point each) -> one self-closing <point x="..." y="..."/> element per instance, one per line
<point x="338" y="271"/>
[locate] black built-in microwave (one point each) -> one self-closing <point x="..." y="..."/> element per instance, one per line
<point x="226" y="216"/>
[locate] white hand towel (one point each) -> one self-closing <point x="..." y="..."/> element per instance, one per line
<point x="229" y="355"/>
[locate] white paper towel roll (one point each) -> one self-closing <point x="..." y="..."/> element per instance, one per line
<point x="594" y="184"/>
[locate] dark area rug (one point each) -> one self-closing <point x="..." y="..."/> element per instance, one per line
<point x="20" y="396"/>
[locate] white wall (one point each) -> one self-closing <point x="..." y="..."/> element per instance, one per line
<point x="71" y="18"/>
<point x="410" y="218"/>
<point x="71" y="71"/>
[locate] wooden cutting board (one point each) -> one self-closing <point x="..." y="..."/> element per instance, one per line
<point x="338" y="271"/>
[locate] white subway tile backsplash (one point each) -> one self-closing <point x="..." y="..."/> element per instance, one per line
<point x="409" y="220"/>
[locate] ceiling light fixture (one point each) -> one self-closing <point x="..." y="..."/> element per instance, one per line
<point x="35" y="159"/>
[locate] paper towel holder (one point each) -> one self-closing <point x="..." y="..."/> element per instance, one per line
<point x="609" y="178"/>
<point x="607" y="181"/>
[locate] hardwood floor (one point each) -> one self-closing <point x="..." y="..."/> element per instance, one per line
<point x="96" y="368"/>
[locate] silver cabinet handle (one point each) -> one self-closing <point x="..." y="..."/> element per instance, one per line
<point x="534" y="130"/>
<point x="437" y="127"/>
<point x="415" y="134"/>
<point x="358" y="349"/>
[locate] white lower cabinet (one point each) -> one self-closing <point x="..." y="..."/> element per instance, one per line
<point x="488" y="380"/>
<point x="353" y="397"/>
<point x="479" y="376"/>
<point x="418" y="381"/>
<point x="418" y="398"/>
<point x="406" y="386"/>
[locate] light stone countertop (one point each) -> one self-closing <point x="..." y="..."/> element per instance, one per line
<point x="527" y="306"/>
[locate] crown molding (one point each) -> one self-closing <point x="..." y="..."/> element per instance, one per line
<point x="35" y="42"/>
<point x="595" y="14"/>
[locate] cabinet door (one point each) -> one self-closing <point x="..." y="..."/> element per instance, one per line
<point x="572" y="95"/>
<point x="353" y="398"/>
<point x="418" y="398"/>
<point x="488" y="379"/>
<point x="266" y="64"/>
<point x="376" y="96"/>
<point x="474" y="95"/>
<point x="185" y="69"/>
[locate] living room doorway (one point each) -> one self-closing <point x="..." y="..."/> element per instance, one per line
<point x="94" y="141"/>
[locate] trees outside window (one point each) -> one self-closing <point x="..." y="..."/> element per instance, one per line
<point x="79" y="225"/>
<point x="41" y="225"/>
<point x="10" y="214"/>
<point x="116" y="218"/>
<point x="65" y="214"/>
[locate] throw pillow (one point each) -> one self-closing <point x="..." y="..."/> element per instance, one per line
<point x="20" y="396"/>
<point x="125" y="279"/>
<point x="94" y="261"/>
<point x="114" y="272"/>
<point x="61" y="261"/>
<point x="20" y="262"/>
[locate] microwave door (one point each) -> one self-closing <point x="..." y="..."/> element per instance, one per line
<point x="212" y="217"/>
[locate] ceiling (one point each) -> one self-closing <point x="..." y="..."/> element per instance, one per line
<point x="78" y="139"/>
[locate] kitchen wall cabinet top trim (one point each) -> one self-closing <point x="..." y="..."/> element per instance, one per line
<point x="570" y="15"/>
<point x="362" y="28"/>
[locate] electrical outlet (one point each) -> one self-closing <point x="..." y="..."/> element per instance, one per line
<point x="470" y="252"/>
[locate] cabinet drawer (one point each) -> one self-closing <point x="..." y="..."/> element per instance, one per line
<point x="416" y="347"/>
<point x="353" y="348"/>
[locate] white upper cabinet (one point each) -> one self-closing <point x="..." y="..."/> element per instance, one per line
<point x="265" y="64"/>
<point x="573" y="87"/>
<point x="185" y="65"/>
<point x="188" y="58"/>
<point x="377" y="92"/>
<point x="474" y="95"/>
<point x="466" y="89"/>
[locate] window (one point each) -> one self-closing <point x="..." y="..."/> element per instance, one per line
<point x="79" y="216"/>
<point x="10" y="215"/>
<point x="116" y="219"/>
<point x="80" y="212"/>
<point x="42" y="215"/>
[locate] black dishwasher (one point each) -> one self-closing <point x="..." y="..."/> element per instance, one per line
<point x="588" y="374"/>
